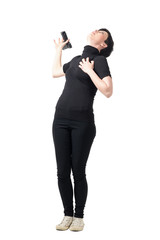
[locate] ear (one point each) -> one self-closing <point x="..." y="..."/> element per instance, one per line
<point x="104" y="45"/>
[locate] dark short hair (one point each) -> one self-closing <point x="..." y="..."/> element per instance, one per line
<point x="109" y="41"/>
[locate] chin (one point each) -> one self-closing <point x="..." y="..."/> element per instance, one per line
<point x="88" y="37"/>
<point x="90" y="40"/>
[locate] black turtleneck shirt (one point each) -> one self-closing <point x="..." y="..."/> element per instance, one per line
<point x="76" y="100"/>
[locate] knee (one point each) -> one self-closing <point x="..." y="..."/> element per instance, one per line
<point x="63" y="177"/>
<point x="78" y="177"/>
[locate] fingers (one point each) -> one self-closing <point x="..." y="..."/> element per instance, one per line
<point x="83" y="60"/>
<point x="60" y="41"/>
<point x="55" y="43"/>
<point x="87" y="59"/>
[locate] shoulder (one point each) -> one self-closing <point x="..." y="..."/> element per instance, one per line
<point x="101" y="66"/>
<point x="100" y="58"/>
<point x="100" y="61"/>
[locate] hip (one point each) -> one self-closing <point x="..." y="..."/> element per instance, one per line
<point x="86" y="116"/>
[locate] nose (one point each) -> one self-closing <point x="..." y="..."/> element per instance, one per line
<point x="95" y="31"/>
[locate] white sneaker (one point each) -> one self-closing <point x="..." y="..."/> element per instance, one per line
<point x="77" y="224"/>
<point x="65" y="224"/>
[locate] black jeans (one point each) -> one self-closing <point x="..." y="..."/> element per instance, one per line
<point x="72" y="141"/>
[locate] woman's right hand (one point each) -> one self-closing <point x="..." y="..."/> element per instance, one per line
<point x="60" y="43"/>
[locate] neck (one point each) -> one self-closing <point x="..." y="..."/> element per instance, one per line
<point x="90" y="51"/>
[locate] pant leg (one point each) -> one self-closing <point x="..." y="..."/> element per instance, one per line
<point x="62" y="142"/>
<point x="83" y="134"/>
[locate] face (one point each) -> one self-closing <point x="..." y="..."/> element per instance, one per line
<point x="97" y="38"/>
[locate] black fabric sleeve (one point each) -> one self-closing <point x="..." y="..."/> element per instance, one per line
<point x="66" y="66"/>
<point x="101" y="67"/>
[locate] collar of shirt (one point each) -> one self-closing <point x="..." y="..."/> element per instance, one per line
<point x="90" y="51"/>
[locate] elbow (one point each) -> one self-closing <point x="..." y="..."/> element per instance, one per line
<point x="108" y="94"/>
<point x="54" y="75"/>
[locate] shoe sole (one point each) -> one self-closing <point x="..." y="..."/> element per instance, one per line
<point x="61" y="228"/>
<point x="76" y="229"/>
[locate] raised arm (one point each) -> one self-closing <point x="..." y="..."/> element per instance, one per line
<point x="57" y="70"/>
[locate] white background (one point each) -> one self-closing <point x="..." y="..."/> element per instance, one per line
<point x="123" y="167"/>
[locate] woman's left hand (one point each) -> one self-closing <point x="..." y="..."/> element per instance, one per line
<point x="86" y="65"/>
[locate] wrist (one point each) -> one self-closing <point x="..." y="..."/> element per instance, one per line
<point x="90" y="71"/>
<point x="59" y="49"/>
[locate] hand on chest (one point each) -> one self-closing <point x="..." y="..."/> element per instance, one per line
<point x="76" y="71"/>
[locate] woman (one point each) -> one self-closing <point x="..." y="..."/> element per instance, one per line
<point x="74" y="127"/>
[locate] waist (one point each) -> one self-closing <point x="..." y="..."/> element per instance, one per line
<point x="79" y="115"/>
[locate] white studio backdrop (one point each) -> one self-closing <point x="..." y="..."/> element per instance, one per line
<point x="123" y="165"/>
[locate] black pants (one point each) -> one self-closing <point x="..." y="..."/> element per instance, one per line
<point x="72" y="141"/>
